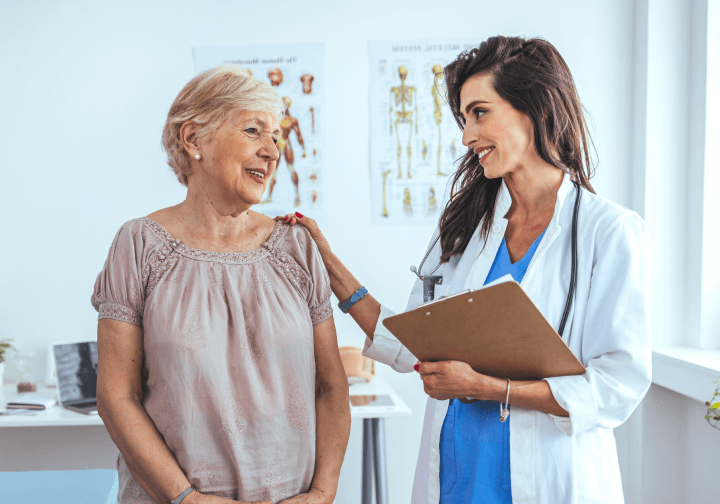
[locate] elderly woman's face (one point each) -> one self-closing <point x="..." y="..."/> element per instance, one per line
<point x="241" y="156"/>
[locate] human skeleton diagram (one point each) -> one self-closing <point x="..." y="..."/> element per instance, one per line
<point x="438" y="91"/>
<point x="432" y="202"/>
<point x="385" y="174"/>
<point x="407" y="202"/>
<point x="403" y="97"/>
<point x="287" y="125"/>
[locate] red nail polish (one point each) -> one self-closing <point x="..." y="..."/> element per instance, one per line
<point x="416" y="367"/>
<point x="299" y="215"/>
<point x="285" y="219"/>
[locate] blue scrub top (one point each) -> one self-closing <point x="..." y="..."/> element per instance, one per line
<point x="474" y="444"/>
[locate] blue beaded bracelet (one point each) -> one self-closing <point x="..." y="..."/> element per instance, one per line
<point x="357" y="296"/>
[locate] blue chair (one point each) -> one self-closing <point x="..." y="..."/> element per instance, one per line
<point x="98" y="486"/>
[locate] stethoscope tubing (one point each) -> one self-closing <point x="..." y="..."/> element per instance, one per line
<point x="573" y="274"/>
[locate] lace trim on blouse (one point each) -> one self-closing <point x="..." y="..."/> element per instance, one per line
<point x="118" y="312"/>
<point x="157" y="266"/>
<point x="321" y="313"/>
<point x="168" y="256"/>
<point x="227" y="257"/>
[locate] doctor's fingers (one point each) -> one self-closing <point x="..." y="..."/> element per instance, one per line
<point x="433" y="389"/>
<point x="297" y="218"/>
<point x="428" y="368"/>
<point x="287" y="219"/>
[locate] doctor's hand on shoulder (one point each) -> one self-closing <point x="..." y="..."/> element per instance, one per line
<point x="457" y="380"/>
<point x="312" y="227"/>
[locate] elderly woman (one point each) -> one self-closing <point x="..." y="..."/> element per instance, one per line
<point x="219" y="376"/>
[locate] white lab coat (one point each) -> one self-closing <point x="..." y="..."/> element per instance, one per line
<point x="556" y="460"/>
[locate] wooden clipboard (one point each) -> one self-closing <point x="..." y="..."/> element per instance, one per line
<point x="497" y="330"/>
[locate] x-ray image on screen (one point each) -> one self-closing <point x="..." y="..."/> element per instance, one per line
<point x="76" y="365"/>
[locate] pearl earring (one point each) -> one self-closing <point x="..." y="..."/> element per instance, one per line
<point x="197" y="156"/>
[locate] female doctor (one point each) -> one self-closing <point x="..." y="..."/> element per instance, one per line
<point x="520" y="186"/>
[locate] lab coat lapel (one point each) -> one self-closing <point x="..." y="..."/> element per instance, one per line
<point x="485" y="256"/>
<point x="529" y="284"/>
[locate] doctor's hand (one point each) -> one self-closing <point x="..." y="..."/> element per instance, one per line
<point x="454" y="380"/>
<point x="309" y="224"/>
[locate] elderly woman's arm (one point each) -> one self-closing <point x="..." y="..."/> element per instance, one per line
<point x="332" y="412"/>
<point x="119" y="401"/>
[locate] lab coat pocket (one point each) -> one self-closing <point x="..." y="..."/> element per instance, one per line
<point x="597" y="468"/>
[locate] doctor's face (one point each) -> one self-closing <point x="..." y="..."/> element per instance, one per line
<point x="499" y="134"/>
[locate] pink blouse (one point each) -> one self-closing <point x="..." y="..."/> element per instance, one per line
<point x="229" y="370"/>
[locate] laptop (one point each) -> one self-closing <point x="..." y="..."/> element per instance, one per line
<point x="76" y="371"/>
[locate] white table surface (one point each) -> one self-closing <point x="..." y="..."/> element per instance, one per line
<point x="60" y="439"/>
<point x="378" y="387"/>
<point x="58" y="416"/>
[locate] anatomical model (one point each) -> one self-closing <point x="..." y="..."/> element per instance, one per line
<point x="438" y="91"/>
<point x="287" y="125"/>
<point x="307" y="81"/>
<point x="385" y="176"/>
<point x="402" y="96"/>
<point x="407" y="202"/>
<point x="276" y="76"/>
<point x="432" y="202"/>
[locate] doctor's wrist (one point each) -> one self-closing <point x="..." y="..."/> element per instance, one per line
<point x="488" y="388"/>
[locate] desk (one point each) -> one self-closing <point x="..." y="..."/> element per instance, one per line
<point x="53" y="440"/>
<point x="374" y="461"/>
<point x="60" y="439"/>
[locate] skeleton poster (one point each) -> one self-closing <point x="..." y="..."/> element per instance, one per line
<point x="296" y="73"/>
<point x="414" y="139"/>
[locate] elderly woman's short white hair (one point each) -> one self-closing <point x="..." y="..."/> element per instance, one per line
<point x="208" y="100"/>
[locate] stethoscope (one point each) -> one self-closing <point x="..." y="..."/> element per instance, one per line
<point x="429" y="281"/>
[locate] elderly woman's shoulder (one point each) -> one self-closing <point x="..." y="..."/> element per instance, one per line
<point x="296" y="235"/>
<point x="132" y="227"/>
<point x="141" y="231"/>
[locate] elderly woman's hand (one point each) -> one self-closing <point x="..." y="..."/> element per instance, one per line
<point x="309" y="224"/>
<point x="455" y="380"/>
<point x="314" y="496"/>
<point x="200" y="498"/>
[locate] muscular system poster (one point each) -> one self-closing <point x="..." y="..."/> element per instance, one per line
<point x="414" y="139"/>
<point x="296" y="72"/>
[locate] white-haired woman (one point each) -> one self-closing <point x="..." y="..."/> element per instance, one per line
<point x="219" y="377"/>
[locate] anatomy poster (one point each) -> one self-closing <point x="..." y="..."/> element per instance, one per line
<point x="296" y="73"/>
<point x="414" y="139"/>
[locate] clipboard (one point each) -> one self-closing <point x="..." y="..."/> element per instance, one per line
<point x="498" y="330"/>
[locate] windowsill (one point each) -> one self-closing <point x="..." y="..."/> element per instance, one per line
<point x="687" y="371"/>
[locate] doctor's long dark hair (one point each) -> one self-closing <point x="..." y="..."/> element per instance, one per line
<point x="532" y="76"/>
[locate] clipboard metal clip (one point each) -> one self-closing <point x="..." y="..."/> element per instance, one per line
<point x="442" y="298"/>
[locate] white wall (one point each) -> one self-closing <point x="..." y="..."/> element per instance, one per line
<point x="84" y="91"/>
<point x="666" y="449"/>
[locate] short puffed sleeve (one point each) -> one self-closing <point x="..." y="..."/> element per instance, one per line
<point x="300" y="245"/>
<point x="118" y="292"/>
